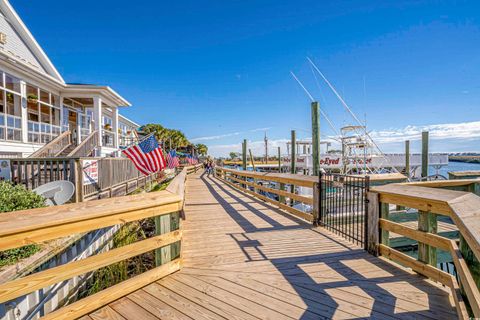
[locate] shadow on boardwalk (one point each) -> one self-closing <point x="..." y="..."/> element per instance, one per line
<point x="245" y="259"/>
<point x="315" y="295"/>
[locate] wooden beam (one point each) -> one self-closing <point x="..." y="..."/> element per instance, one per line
<point x="407" y="158"/>
<point x="417" y="235"/>
<point x="316" y="203"/>
<point x="287" y="178"/>
<point x="427" y="222"/>
<point x="251" y="159"/>
<point x="295" y="212"/>
<point x="384" y="214"/>
<point x="104" y="297"/>
<point x="279" y="161"/>
<point x="316" y="137"/>
<point x="417" y="266"/>
<point x="424" y="154"/>
<point x="19" y="287"/>
<point x="293" y="153"/>
<point x="244" y="154"/>
<point x="306" y="200"/>
<point x="38" y="235"/>
<point x="373" y="213"/>
<point x="467" y="281"/>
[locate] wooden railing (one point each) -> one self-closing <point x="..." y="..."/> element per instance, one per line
<point x="38" y="225"/>
<point x="431" y="199"/>
<point x="252" y="183"/>
<point x="86" y="147"/>
<point x="34" y="172"/>
<point x="54" y="147"/>
<point x="115" y="177"/>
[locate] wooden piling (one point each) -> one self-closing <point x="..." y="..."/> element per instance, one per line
<point x="373" y="214"/>
<point x="293" y="155"/>
<point x="244" y="154"/>
<point x="316" y="137"/>
<point x="293" y="168"/>
<point x="282" y="185"/>
<point x="424" y="154"/>
<point x="279" y="161"/>
<point x="407" y="158"/>
<point x="251" y="159"/>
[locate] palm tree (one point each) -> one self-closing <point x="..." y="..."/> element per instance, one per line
<point x="201" y="149"/>
<point x="169" y="137"/>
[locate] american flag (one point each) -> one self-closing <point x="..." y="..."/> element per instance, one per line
<point x="172" y="159"/>
<point x="191" y="160"/>
<point x="147" y="156"/>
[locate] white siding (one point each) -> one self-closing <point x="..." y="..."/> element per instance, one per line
<point x="16" y="47"/>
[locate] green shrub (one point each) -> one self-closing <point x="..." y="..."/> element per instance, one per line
<point x="14" y="198"/>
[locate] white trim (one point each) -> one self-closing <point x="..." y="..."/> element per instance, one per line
<point x="128" y="121"/>
<point x="110" y="96"/>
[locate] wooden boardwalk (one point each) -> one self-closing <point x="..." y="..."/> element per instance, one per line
<point x="244" y="259"/>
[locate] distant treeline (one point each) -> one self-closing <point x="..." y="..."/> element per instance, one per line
<point x="468" y="159"/>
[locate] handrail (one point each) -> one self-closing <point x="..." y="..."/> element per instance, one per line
<point x="462" y="207"/>
<point x="54" y="147"/>
<point x="238" y="180"/>
<point x="86" y="147"/>
<point x="296" y="179"/>
<point x="38" y="225"/>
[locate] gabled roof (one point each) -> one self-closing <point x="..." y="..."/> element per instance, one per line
<point x="26" y="39"/>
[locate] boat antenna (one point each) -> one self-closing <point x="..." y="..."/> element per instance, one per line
<point x="349" y="110"/>
<point x="312" y="99"/>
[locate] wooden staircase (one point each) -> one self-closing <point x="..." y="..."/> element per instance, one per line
<point x="63" y="147"/>
<point x="65" y="152"/>
<point x="54" y="147"/>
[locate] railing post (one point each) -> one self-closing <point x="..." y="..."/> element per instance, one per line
<point x="76" y="177"/>
<point x="162" y="226"/>
<point x="427" y="221"/>
<point x="281" y="199"/>
<point x="316" y="203"/>
<point x="384" y="214"/>
<point x="372" y="216"/>
<point x="79" y="180"/>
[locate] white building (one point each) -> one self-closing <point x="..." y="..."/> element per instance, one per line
<point x="37" y="105"/>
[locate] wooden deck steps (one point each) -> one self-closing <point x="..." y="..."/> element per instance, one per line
<point x="244" y="259"/>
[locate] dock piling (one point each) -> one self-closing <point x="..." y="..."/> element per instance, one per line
<point x="316" y="137"/>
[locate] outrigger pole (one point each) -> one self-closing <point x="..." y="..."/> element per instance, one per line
<point x="350" y="111"/>
<point x="313" y="100"/>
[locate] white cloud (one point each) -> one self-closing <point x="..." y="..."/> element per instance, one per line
<point x="463" y="130"/>
<point x="257" y="147"/>
<point x="215" y="137"/>
<point x="221" y="136"/>
<point x="463" y="133"/>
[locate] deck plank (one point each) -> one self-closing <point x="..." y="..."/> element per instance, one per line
<point x="245" y="259"/>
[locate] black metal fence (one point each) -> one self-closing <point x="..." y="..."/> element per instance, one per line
<point x="343" y="206"/>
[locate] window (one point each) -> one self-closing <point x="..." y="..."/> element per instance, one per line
<point x="2" y="101"/>
<point x="32" y="112"/>
<point x="44" y="96"/>
<point x="13" y="104"/>
<point x="10" y="109"/>
<point x="43" y="117"/>
<point x="12" y="83"/>
<point x="45" y="113"/>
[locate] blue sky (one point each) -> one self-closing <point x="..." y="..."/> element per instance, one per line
<point x="220" y="70"/>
